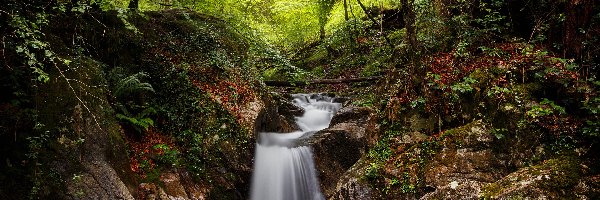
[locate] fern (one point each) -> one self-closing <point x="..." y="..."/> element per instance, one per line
<point x="140" y="122"/>
<point x="132" y="84"/>
<point x="127" y="86"/>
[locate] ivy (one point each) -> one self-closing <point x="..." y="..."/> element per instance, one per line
<point x="32" y="47"/>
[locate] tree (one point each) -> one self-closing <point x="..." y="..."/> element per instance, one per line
<point x="578" y="16"/>
<point x="325" y="7"/>
<point x="409" y="21"/>
<point x="346" y="10"/>
<point x="134" y="4"/>
<point x="387" y="40"/>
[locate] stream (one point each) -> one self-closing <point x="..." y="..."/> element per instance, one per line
<point x="284" y="168"/>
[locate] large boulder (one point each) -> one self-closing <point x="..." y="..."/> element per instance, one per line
<point x="552" y="179"/>
<point x="464" y="165"/>
<point x="338" y="148"/>
<point x="352" y="184"/>
<point x="277" y="115"/>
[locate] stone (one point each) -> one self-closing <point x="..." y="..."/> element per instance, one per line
<point x="335" y="151"/>
<point x="338" y="148"/>
<point x="172" y="186"/>
<point x="351" y="185"/>
<point x="552" y="179"/>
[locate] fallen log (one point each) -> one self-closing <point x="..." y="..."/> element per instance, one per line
<point x="320" y="81"/>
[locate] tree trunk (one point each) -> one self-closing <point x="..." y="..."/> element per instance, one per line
<point x="346" y="10"/>
<point x="133" y="4"/>
<point x="578" y="16"/>
<point x="325" y="7"/>
<point x="387" y="40"/>
<point x="409" y="21"/>
<point x="321" y="81"/>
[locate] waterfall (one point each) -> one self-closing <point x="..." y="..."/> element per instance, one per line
<point x="283" y="169"/>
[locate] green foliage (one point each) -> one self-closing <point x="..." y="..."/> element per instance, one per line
<point x="371" y="69"/>
<point x="381" y="151"/>
<point x="124" y="17"/>
<point x="418" y="103"/>
<point x="545" y="108"/>
<point x="33" y="48"/>
<point x="134" y="112"/>
<point x="36" y="147"/>
<point x="140" y="122"/>
<point x="464" y="86"/>
<point x="196" y="149"/>
<point x="379" y="154"/>
<point x="493" y="22"/>
<point x="372" y="172"/>
<point x="432" y="28"/>
<point x="474" y="25"/>
<point x="167" y="155"/>
<point x="499" y="92"/>
<point x="592" y="106"/>
<point x="366" y="99"/>
<point x="273" y="64"/>
<point x="500" y="133"/>
<point x="132" y="85"/>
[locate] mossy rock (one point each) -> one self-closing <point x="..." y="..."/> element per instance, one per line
<point x="473" y="135"/>
<point x="553" y="178"/>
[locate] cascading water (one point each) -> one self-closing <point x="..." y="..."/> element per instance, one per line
<point x="283" y="168"/>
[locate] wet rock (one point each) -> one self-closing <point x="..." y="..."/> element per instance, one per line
<point x="278" y="115"/>
<point x="338" y="148"/>
<point x="417" y="122"/>
<point x="360" y="122"/>
<point x="455" y="165"/>
<point x="355" y="115"/>
<point x="98" y="181"/>
<point x="351" y="185"/>
<point x="341" y="100"/>
<point x="335" y="152"/>
<point x="96" y="168"/>
<point x="464" y="189"/>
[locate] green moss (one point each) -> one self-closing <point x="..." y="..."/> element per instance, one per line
<point x="556" y="177"/>
<point x="483" y="77"/>
<point x="475" y="128"/>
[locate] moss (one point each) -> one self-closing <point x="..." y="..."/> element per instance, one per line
<point x="467" y="133"/>
<point x="565" y="173"/>
<point x="483" y="77"/>
<point x="554" y="178"/>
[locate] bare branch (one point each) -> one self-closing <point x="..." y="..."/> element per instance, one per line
<point x="321" y="81"/>
<point x="77" y="96"/>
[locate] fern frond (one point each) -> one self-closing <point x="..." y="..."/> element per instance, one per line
<point x="133" y="84"/>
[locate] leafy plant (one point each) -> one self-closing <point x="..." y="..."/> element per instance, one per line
<point x="132" y="85"/>
<point x="545" y="108"/>
<point x="33" y="45"/>
<point x="127" y="88"/>
<point x="419" y="102"/>
<point x="372" y="172"/>
<point x="464" y="86"/>
<point x="167" y="155"/>
<point x="141" y="121"/>
<point x="592" y="124"/>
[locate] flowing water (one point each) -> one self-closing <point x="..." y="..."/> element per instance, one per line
<point x="284" y="168"/>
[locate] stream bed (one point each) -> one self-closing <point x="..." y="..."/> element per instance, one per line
<point x="284" y="168"/>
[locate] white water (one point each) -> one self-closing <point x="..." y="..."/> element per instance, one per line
<point x="284" y="170"/>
